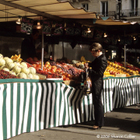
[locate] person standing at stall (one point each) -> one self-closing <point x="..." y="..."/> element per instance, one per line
<point x="28" y="45"/>
<point x="96" y="70"/>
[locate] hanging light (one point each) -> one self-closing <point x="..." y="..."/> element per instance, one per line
<point x="18" y="21"/>
<point x="119" y="39"/>
<point x="88" y="30"/>
<point x="65" y="25"/>
<point x="105" y="35"/>
<point x="38" y="25"/>
<point x="134" y="38"/>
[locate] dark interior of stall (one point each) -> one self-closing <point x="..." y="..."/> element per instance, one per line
<point x="118" y="36"/>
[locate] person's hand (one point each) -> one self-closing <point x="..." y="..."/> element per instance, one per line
<point x="86" y="65"/>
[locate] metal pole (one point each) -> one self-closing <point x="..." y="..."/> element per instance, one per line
<point x="52" y="51"/>
<point x="119" y="9"/>
<point x="63" y="48"/>
<point x="42" y="52"/>
<point x="125" y="55"/>
<point x="119" y="6"/>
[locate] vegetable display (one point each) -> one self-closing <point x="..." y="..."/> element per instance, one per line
<point x="31" y="69"/>
<point x="16" y="68"/>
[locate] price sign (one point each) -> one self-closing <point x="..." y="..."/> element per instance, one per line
<point x="77" y="31"/>
<point x="47" y="27"/>
<point x="70" y="31"/>
<point x="58" y="29"/>
<point x="26" y="25"/>
<point x="98" y="35"/>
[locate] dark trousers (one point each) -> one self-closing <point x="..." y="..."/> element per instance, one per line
<point x="98" y="110"/>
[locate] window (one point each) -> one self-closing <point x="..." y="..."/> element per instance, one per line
<point x="104" y="8"/>
<point x="134" y="7"/>
<point x="85" y="6"/>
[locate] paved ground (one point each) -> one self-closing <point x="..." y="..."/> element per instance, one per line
<point x="119" y="124"/>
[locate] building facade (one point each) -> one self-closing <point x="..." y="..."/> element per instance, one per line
<point x="120" y="9"/>
<point x="130" y="10"/>
<point x="102" y="7"/>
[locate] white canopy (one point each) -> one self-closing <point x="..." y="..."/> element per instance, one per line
<point x="12" y="9"/>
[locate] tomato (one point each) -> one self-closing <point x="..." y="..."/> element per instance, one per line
<point x="67" y="78"/>
<point x="34" y="65"/>
<point x="49" y="76"/>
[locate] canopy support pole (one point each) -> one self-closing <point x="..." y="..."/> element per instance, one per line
<point x="42" y="52"/>
<point x="63" y="48"/>
<point x="125" y="55"/>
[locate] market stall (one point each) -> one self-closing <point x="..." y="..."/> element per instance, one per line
<point x="32" y="105"/>
<point x="29" y="103"/>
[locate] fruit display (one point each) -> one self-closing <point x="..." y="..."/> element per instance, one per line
<point x="61" y="69"/>
<point x="52" y="69"/>
<point x="15" y="67"/>
<point x="117" y="68"/>
<point x="132" y="67"/>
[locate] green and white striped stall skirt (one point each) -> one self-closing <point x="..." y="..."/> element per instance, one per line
<point x="32" y="105"/>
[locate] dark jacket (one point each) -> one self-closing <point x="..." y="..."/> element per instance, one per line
<point x="28" y="48"/>
<point x="96" y="73"/>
